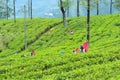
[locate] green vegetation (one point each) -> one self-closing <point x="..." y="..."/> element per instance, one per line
<point x="48" y="37"/>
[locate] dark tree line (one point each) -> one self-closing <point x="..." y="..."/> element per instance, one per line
<point x="5" y="10"/>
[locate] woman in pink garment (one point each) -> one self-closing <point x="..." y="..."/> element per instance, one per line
<point x="85" y="46"/>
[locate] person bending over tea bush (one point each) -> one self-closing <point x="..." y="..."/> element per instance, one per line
<point x="32" y="53"/>
<point x="84" y="47"/>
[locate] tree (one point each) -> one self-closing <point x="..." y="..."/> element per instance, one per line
<point x="94" y="4"/>
<point x="2" y="9"/>
<point x="25" y="41"/>
<point x="88" y="20"/>
<point x="28" y="8"/>
<point x="87" y="5"/>
<point x="31" y="10"/>
<point x="117" y="4"/>
<point x="14" y="13"/>
<point x="63" y="12"/>
<point x="63" y="7"/>
<point x="110" y="6"/>
<point x="78" y="8"/>
<point x="68" y="8"/>
<point x="7" y="9"/>
<point x="97" y="4"/>
<point x="68" y="4"/>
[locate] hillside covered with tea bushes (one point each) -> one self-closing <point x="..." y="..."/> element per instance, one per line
<point x="50" y="39"/>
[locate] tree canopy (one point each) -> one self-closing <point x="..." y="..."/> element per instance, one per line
<point x="117" y="4"/>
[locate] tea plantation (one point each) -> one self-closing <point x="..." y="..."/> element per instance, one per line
<point x="49" y="38"/>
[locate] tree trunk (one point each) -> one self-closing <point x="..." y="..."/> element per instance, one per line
<point x="78" y="8"/>
<point x="63" y="13"/>
<point x="97" y="7"/>
<point x="14" y="11"/>
<point x="25" y="41"/>
<point x="7" y="9"/>
<point x="110" y="6"/>
<point x="68" y="9"/>
<point x="68" y="12"/>
<point x="88" y="21"/>
<point x="28" y="8"/>
<point x="31" y="9"/>
<point x="64" y="19"/>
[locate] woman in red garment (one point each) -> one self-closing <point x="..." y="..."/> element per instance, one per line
<point x="32" y="53"/>
<point x="70" y="31"/>
<point x="76" y="51"/>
